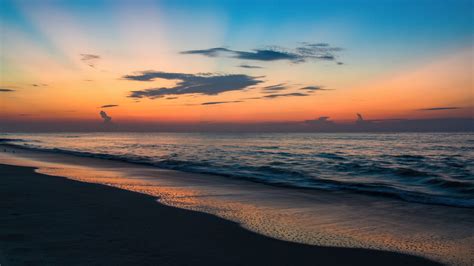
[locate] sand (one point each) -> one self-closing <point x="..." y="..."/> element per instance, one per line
<point x="49" y="220"/>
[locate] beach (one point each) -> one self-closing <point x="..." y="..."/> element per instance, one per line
<point x="55" y="221"/>
<point x="146" y="215"/>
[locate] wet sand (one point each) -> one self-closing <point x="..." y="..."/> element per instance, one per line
<point x="48" y="220"/>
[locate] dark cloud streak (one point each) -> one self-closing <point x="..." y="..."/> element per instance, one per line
<point x="312" y="88"/>
<point x="439" y="108"/>
<point x="274" y="88"/>
<point x="223" y="102"/>
<point x="249" y="66"/>
<point x="293" y="94"/>
<point x="108" y="106"/>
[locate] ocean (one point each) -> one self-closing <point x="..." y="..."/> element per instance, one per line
<point x="434" y="168"/>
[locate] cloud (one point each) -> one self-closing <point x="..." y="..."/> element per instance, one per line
<point x="206" y="84"/>
<point x="362" y="122"/>
<point x="6" y="90"/>
<point x="312" y="88"/>
<point x="252" y="98"/>
<point x="257" y="54"/>
<point x="321" y="121"/>
<point x="293" y="94"/>
<point x="108" y="106"/>
<point x="248" y="66"/>
<point x="313" y="51"/>
<point x="107" y="119"/>
<point x="439" y="108"/>
<point x="214" y="103"/>
<point x="273" y="88"/>
<point x="90" y="59"/>
<point x="39" y="85"/>
<point x="211" y="52"/>
<point x="319" y="44"/>
<point x="268" y="55"/>
<point x="278" y="95"/>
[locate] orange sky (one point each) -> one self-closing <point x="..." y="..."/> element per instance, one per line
<point x="396" y="94"/>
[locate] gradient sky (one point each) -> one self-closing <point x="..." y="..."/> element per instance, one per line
<point x="276" y="60"/>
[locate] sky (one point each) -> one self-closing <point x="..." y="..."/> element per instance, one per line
<point x="234" y="61"/>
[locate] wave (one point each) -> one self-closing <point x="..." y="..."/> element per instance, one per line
<point x="7" y="140"/>
<point x="277" y="174"/>
<point x="330" y="156"/>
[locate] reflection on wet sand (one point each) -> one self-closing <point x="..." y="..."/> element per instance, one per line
<point x="323" y="218"/>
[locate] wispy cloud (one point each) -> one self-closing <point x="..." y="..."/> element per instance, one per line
<point x="90" y="59"/>
<point x="108" y="106"/>
<point x="312" y="88"/>
<point x="293" y="94"/>
<point x="439" y="108"/>
<point x="274" y="88"/>
<point x="249" y="66"/>
<point x="39" y="85"/>
<point x="223" y="102"/>
<point x="321" y="121"/>
<point x="206" y="84"/>
<point x="313" y="51"/>
<point x="211" y="52"/>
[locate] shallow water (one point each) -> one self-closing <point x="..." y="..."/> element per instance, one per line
<point x="433" y="168"/>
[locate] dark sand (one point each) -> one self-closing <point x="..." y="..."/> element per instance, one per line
<point x="47" y="220"/>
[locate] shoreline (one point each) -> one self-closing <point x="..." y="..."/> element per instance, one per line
<point x="389" y="195"/>
<point x="45" y="222"/>
<point x="320" y="219"/>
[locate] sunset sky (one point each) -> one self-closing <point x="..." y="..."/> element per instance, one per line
<point x="235" y="61"/>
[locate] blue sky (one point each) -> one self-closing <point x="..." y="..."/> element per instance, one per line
<point x="398" y="26"/>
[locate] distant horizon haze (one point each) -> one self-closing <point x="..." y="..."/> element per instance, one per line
<point x="315" y="125"/>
